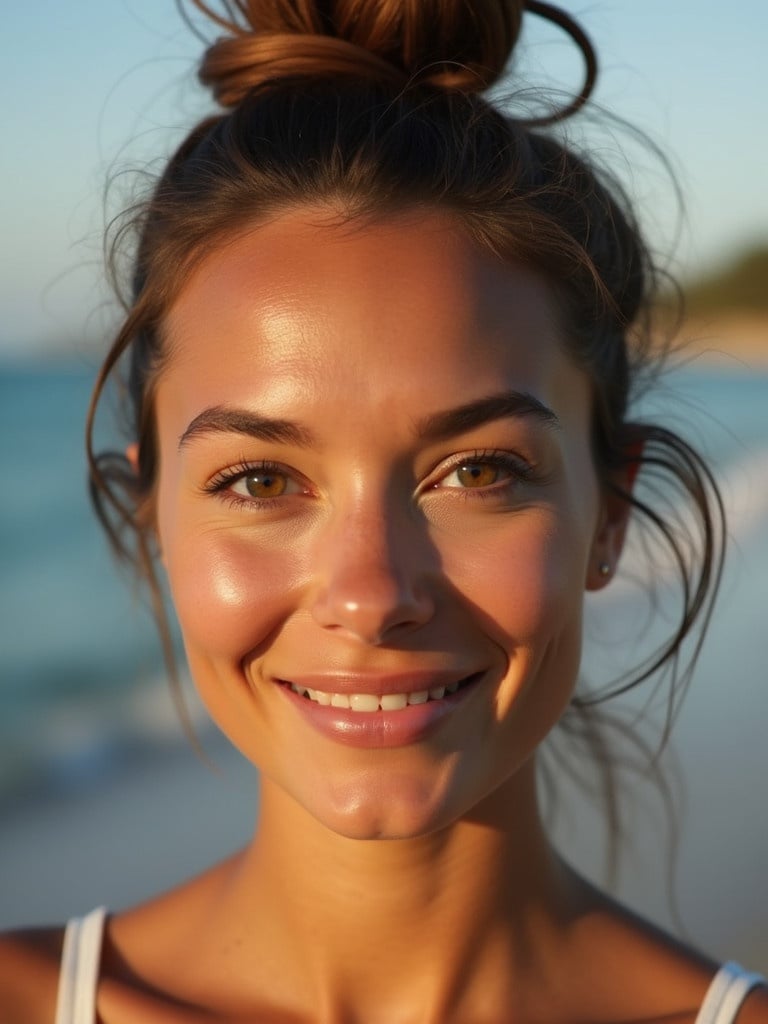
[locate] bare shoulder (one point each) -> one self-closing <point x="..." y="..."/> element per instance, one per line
<point x="29" y="975"/>
<point x="755" y="1008"/>
<point x="684" y="975"/>
<point x="632" y="970"/>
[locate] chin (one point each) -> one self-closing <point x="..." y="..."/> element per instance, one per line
<point x="401" y="806"/>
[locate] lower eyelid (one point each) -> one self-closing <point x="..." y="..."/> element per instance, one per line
<point x="253" y="503"/>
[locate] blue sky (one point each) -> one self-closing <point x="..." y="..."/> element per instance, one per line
<point x="92" y="87"/>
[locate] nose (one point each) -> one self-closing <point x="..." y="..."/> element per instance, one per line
<point x="373" y="576"/>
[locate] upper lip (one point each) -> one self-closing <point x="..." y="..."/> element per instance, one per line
<point x="377" y="683"/>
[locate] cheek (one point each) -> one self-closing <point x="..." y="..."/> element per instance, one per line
<point x="527" y="591"/>
<point x="230" y="593"/>
<point x="525" y="580"/>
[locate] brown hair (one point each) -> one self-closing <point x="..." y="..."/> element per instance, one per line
<point x="370" y="106"/>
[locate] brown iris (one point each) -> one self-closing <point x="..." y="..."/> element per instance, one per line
<point x="477" y="474"/>
<point x="265" y="484"/>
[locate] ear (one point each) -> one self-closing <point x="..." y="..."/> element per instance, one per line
<point x="611" y="532"/>
<point x="132" y="455"/>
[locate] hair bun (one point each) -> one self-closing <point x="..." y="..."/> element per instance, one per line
<point x="235" y="65"/>
<point x="454" y="44"/>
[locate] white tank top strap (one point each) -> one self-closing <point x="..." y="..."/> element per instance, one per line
<point x="729" y="988"/>
<point x="80" y="958"/>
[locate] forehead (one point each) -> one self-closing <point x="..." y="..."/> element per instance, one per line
<point x="404" y="314"/>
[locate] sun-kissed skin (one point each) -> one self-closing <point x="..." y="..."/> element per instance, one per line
<point x="394" y="883"/>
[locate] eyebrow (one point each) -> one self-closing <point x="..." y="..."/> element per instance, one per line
<point x="435" y="427"/>
<point x="442" y="425"/>
<point x="221" y="420"/>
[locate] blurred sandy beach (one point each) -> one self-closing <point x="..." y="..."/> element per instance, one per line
<point x="727" y="338"/>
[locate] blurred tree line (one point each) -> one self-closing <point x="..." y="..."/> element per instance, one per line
<point x="741" y="286"/>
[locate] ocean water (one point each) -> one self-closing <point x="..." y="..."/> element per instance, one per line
<point x="74" y="633"/>
<point x="90" y="746"/>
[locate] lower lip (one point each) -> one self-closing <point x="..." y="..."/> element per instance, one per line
<point x="379" y="729"/>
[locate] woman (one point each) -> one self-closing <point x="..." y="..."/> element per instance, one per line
<point x="380" y="348"/>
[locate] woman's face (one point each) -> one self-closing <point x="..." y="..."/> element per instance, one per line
<point x="376" y="486"/>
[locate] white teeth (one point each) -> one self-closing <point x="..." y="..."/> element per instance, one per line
<point x="364" y="701"/>
<point x="393" y="701"/>
<point x="418" y="697"/>
<point x="371" y="701"/>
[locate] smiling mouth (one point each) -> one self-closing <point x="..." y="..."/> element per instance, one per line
<point x="370" y="702"/>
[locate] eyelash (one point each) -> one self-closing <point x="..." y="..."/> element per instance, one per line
<point x="222" y="482"/>
<point x="518" y="469"/>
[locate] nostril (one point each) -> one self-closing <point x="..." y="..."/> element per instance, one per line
<point x="374" y="617"/>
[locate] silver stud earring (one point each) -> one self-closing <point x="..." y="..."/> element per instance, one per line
<point x="604" y="569"/>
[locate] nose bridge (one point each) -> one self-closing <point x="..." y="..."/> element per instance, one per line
<point x="373" y="569"/>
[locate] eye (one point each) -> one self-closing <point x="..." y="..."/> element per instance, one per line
<point x="262" y="483"/>
<point x="254" y="484"/>
<point x="484" y="470"/>
<point x="476" y="474"/>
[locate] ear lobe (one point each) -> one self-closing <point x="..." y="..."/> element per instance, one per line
<point x="144" y="513"/>
<point x="611" y="533"/>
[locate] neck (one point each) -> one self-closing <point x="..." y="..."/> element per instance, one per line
<point x="448" y="915"/>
